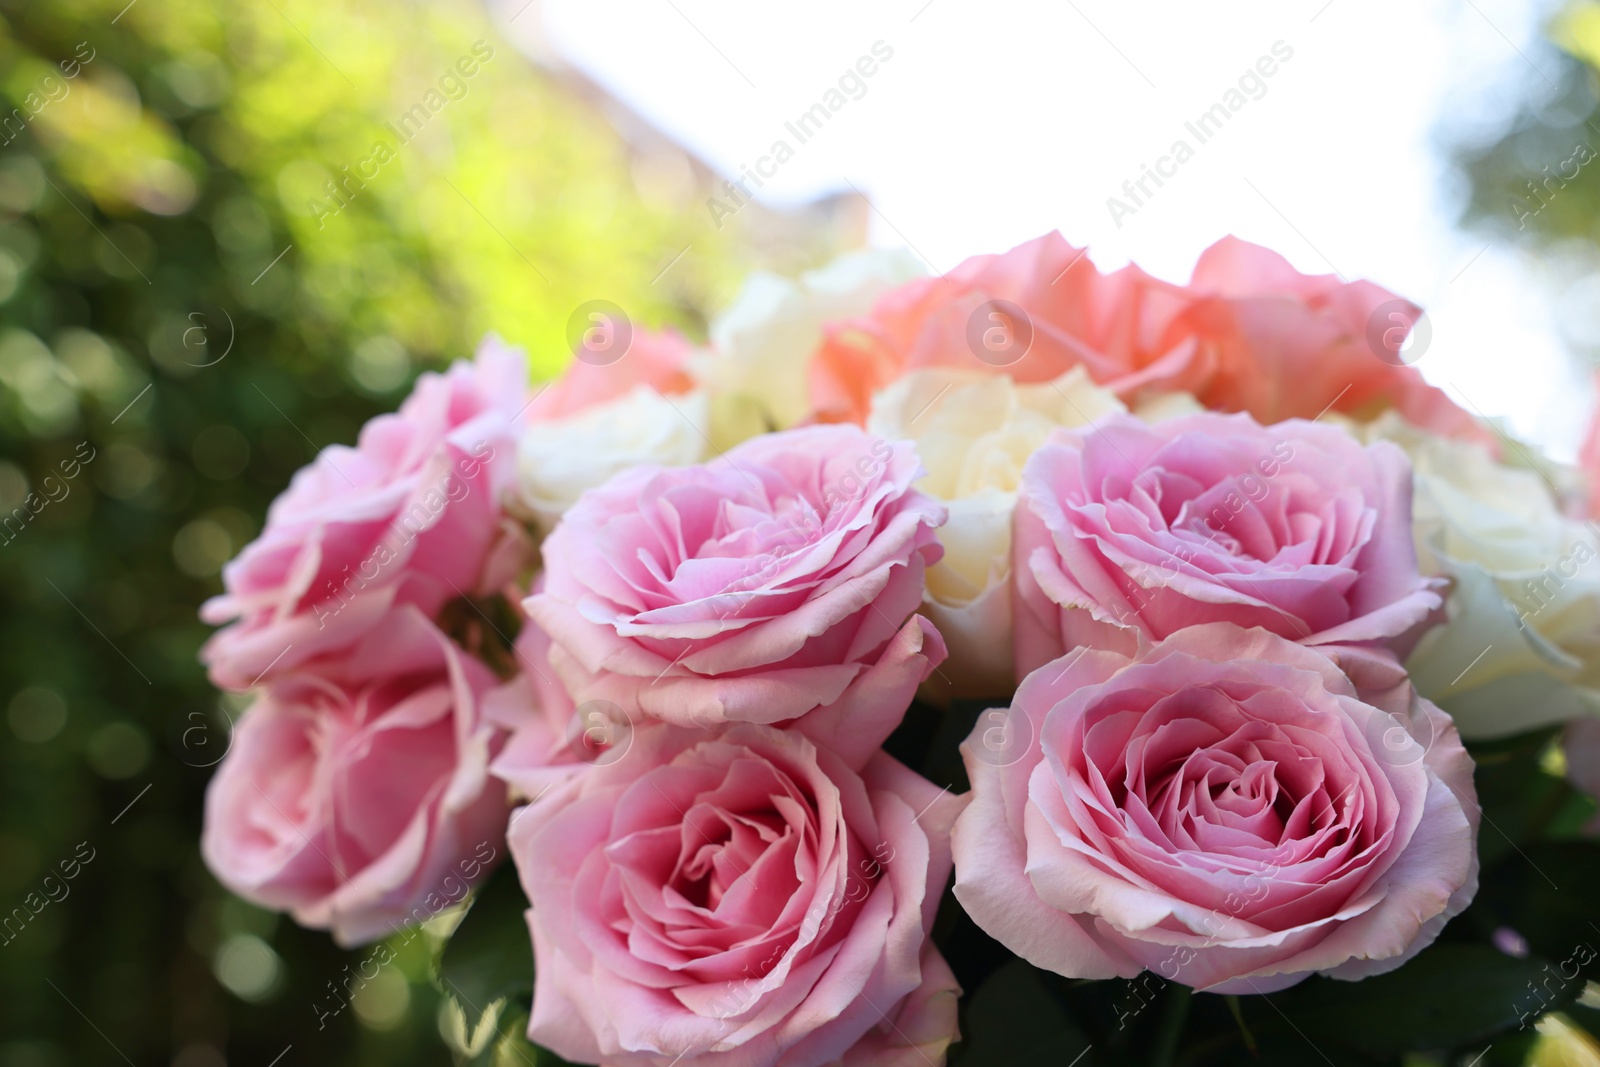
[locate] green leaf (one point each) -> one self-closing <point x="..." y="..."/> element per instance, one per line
<point x="1450" y="996"/>
<point x="1573" y="818"/>
<point x="1014" y="1019"/>
<point x="1514" y="790"/>
<point x="510" y="1048"/>
<point x="1545" y="893"/>
<point x="1285" y="1048"/>
<point x="490" y="955"/>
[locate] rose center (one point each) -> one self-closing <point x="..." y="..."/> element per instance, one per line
<point x="1220" y="796"/>
<point x="720" y="850"/>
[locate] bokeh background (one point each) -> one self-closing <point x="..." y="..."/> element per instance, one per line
<point x="195" y="296"/>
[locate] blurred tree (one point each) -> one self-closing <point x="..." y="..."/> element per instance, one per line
<point x="229" y="233"/>
<point x="1533" y="176"/>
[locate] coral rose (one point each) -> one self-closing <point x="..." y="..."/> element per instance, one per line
<point x="1231" y="810"/>
<point x="1248" y="333"/>
<point x="1286" y="345"/>
<point x="1033" y="314"/>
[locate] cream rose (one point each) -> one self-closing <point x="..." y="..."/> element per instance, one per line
<point x="1521" y="647"/>
<point x="606" y="413"/>
<point x="762" y="345"/>
<point x="974" y="431"/>
<point x="558" y="460"/>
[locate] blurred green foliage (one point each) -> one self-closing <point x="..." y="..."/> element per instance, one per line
<point x="1533" y="170"/>
<point x="186" y="316"/>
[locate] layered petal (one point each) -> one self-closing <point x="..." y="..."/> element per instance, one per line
<point x="768" y="586"/>
<point x="740" y="897"/>
<point x="357" y="795"/>
<point x="1148" y="529"/>
<point x="1230" y="809"/>
<point x="410" y="516"/>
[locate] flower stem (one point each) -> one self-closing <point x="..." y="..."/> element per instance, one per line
<point x="1173" y="1015"/>
<point x="1238" y="1017"/>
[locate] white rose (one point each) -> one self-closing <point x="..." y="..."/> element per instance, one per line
<point x="1521" y="647"/>
<point x="1159" y="407"/>
<point x="762" y="345"/>
<point x="974" y="431"/>
<point x="558" y="459"/>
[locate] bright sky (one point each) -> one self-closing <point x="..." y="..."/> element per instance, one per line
<point x="993" y="122"/>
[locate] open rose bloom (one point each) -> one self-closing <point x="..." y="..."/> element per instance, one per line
<point x="739" y="898"/>
<point x="410" y="516"/>
<point x="1230" y="809"/>
<point x="1249" y="333"/>
<point x="1128" y="530"/>
<point x="1211" y="582"/>
<point x="352" y="794"/>
<point x="775" y="583"/>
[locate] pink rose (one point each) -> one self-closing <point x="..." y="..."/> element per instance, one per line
<point x="775" y="583"/>
<point x="1581" y="744"/>
<point x="549" y="738"/>
<point x="739" y="899"/>
<point x="358" y="797"/>
<point x="411" y="515"/>
<point x="1126" y="529"/>
<point x="1248" y="333"/>
<point x="1589" y="463"/>
<point x="1231" y="810"/>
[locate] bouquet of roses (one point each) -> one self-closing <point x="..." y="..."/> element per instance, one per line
<point x="940" y="667"/>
